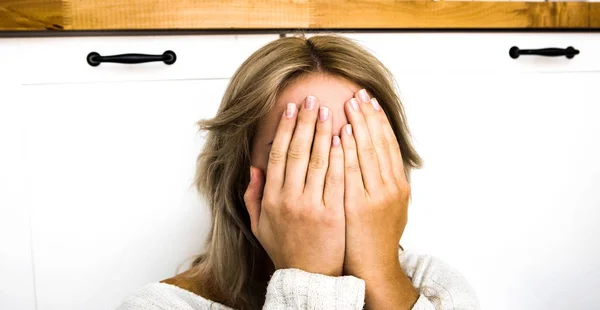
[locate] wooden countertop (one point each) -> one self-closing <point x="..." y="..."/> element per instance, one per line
<point x="64" y="15"/>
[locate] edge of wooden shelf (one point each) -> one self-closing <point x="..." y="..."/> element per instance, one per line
<point x="109" y="15"/>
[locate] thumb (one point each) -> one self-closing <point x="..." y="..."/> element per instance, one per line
<point x="253" y="197"/>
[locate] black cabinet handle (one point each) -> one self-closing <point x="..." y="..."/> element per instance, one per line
<point x="569" y="52"/>
<point x="94" y="59"/>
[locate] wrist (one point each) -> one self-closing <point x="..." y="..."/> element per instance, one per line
<point x="392" y="288"/>
<point x="382" y="270"/>
<point x="390" y="272"/>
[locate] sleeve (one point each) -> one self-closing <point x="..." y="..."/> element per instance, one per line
<point x="423" y="304"/>
<point x="441" y="287"/>
<point x="161" y="296"/>
<point x="298" y="289"/>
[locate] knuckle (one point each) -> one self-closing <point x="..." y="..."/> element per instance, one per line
<point x="353" y="167"/>
<point x="382" y="143"/>
<point x="318" y="162"/>
<point x="313" y="215"/>
<point x="277" y="156"/>
<point x="334" y="179"/>
<point x="296" y="153"/>
<point x="394" y="142"/>
<point x="394" y="192"/>
<point x="332" y="217"/>
<point x="389" y="199"/>
<point x="349" y="147"/>
<point x="270" y="200"/>
<point x="369" y="153"/>
<point x="399" y="192"/>
<point x="395" y="148"/>
<point x="287" y="207"/>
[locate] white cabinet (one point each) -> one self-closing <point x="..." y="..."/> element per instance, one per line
<point x="110" y="186"/>
<point x="509" y="189"/>
<point x="509" y="192"/>
<point x="100" y="164"/>
<point x="96" y="195"/>
<point x="16" y="266"/>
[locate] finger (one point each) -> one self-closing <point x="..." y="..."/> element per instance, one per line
<point x="279" y="149"/>
<point x="367" y="157"/>
<point x="298" y="153"/>
<point x="333" y="193"/>
<point x="319" y="159"/>
<point x="395" y="153"/>
<point x="353" y="178"/>
<point x="371" y="111"/>
<point x="253" y="198"/>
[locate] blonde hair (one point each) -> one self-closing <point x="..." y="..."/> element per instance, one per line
<point x="233" y="267"/>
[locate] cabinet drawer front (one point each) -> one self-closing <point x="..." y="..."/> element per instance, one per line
<point x="8" y="54"/>
<point x="63" y="60"/>
<point x="109" y="184"/>
<point x="480" y="52"/>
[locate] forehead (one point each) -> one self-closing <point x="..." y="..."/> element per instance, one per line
<point x="331" y="92"/>
<point x="329" y="89"/>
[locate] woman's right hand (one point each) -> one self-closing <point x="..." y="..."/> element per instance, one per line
<point x="299" y="218"/>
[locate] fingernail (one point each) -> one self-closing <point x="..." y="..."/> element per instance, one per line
<point x="376" y="105"/>
<point x="250" y="173"/>
<point x="354" y="104"/>
<point x="349" y="129"/>
<point x="363" y="95"/>
<point x="291" y="108"/>
<point x="336" y="141"/>
<point x="323" y="113"/>
<point x="310" y="102"/>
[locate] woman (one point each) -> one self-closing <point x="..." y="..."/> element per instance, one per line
<point x="306" y="168"/>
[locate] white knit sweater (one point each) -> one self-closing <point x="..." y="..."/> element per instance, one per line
<point x="439" y="285"/>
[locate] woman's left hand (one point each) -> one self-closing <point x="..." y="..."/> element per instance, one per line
<point x="376" y="191"/>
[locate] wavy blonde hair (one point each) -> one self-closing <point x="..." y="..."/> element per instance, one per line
<point x="234" y="268"/>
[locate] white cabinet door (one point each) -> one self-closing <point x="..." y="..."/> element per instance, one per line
<point x="16" y="271"/>
<point x="510" y="189"/>
<point x="110" y="169"/>
<point x="509" y="193"/>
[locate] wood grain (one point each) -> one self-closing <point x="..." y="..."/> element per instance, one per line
<point x="188" y="14"/>
<point x="32" y="15"/>
<point x="428" y="14"/>
<point x="292" y="14"/>
<point x="594" y="16"/>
